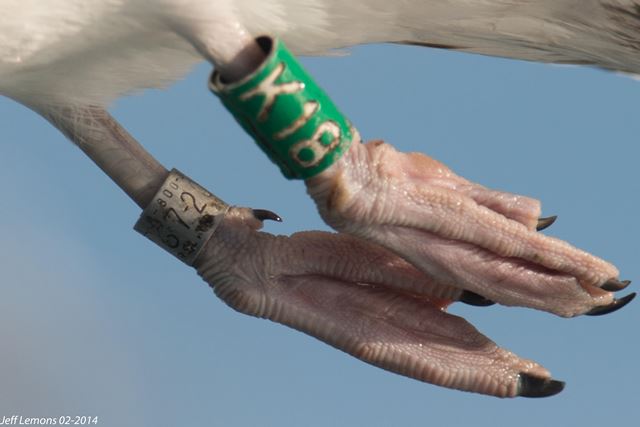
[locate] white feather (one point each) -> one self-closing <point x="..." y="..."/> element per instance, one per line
<point x="92" y="51"/>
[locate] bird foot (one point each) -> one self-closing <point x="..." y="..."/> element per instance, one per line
<point x="363" y="299"/>
<point x="462" y="234"/>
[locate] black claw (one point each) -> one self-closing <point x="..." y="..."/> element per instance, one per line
<point x="530" y="386"/>
<point x="614" y="306"/>
<point x="546" y="222"/>
<point x="263" y="215"/>
<point x="474" y="299"/>
<point x="614" y="285"/>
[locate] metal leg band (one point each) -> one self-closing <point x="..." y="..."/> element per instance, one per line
<point x="182" y="217"/>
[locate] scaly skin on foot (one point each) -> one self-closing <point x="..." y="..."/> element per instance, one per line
<point x="364" y="300"/>
<point x="459" y="233"/>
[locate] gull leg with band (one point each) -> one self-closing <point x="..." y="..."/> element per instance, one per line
<point x="315" y="282"/>
<point x="458" y="233"/>
<point x="463" y="234"/>
<point x="416" y="236"/>
<point x="419" y="217"/>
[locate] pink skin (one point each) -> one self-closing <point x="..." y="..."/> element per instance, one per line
<point x="383" y="311"/>
<point x="458" y="233"/>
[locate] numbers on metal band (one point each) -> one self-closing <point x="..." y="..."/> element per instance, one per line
<point x="182" y="217"/>
<point x="170" y="211"/>
<point x="193" y="201"/>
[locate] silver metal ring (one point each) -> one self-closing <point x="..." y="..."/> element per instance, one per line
<point x="182" y="217"/>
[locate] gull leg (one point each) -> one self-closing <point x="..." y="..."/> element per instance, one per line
<point x="383" y="311"/>
<point x="485" y="242"/>
<point x="110" y="147"/>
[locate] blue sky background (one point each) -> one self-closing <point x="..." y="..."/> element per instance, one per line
<point x="94" y="320"/>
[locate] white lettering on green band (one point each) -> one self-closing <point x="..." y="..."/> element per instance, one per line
<point x="269" y="90"/>
<point x="294" y="121"/>
<point x="309" y="109"/>
<point x="311" y="151"/>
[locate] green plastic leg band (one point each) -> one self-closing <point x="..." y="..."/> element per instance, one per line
<point x="294" y="121"/>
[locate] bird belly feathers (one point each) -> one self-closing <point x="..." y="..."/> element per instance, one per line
<point x="93" y="51"/>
